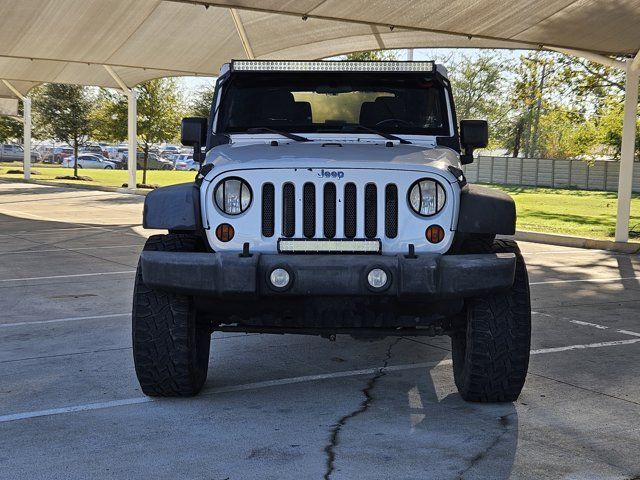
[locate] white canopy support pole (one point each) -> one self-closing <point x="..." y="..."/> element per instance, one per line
<point x="26" y="162"/>
<point x="242" y="33"/>
<point x="26" y="135"/>
<point x="132" y="126"/>
<point x="625" y="179"/>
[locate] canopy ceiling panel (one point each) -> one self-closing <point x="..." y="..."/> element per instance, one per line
<point x="69" y="41"/>
<point x="601" y="26"/>
<point x="182" y="37"/>
<point x="329" y="36"/>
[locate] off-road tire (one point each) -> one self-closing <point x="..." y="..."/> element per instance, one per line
<point x="491" y="350"/>
<point x="170" y="346"/>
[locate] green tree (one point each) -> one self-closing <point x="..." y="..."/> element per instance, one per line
<point x="566" y="133"/>
<point x="64" y="114"/>
<point x="372" y="55"/>
<point x="200" y="104"/>
<point x="609" y="127"/>
<point x="10" y="129"/>
<point x="479" y="87"/>
<point x="160" y="108"/>
<point x="528" y="98"/>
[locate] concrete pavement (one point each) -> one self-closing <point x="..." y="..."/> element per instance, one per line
<point x="294" y="406"/>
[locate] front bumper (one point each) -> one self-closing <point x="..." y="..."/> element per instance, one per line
<point x="425" y="277"/>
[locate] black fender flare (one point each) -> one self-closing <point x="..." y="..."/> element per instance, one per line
<point x="486" y="211"/>
<point x="174" y="208"/>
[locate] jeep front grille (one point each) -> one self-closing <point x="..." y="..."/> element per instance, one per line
<point x="268" y="209"/>
<point x="359" y="213"/>
<point x="350" y="210"/>
<point x="309" y="210"/>
<point x="391" y="211"/>
<point x="370" y="211"/>
<point x="288" y="210"/>
<point x="329" y="211"/>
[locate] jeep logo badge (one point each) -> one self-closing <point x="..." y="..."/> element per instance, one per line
<point x="331" y="174"/>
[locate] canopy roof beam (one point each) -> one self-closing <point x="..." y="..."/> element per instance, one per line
<point x="594" y="57"/>
<point x="13" y="89"/>
<point x="123" y="86"/>
<point x="242" y="33"/>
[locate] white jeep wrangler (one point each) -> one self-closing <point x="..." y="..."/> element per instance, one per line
<point x="331" y="200"/>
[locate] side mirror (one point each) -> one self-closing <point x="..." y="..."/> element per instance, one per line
<point x="193" y="133"/>
<point x="473" y="134"/>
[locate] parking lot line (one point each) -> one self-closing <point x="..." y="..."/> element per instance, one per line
<point x="583" y="346"/>
<point x="75" y="408"/>
<point x="49" y="230"/>
<point x="627" y="332"/>
<point x="586" y="324"/>
<point x="73" y="249"/>
<point x="55" y="277"/>
<point x="285" y="381"/>
<point x="61" y="320"/>
<point x="595" y="280"/>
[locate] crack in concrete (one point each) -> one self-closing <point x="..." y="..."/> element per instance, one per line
<point x="330" y="448"/>
<point x="504" y="422"/>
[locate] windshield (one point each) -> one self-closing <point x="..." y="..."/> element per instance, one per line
<point x="334" y="102"/>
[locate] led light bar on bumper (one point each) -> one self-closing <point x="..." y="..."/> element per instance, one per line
<point x="330" y="66"/>
<point x="328" y="246"/>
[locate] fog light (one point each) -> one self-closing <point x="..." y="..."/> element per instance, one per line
<point x="377" y="278"/>
<point x="435" y="233"/>
<point x="225" y="232"/>
<point x="279" y="278"/>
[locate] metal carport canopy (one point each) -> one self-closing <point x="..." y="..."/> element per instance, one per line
<point x="120" y="43"/>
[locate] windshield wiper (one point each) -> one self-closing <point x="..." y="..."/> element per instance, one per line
<point x="291" y="136"/>
<point x="388" y="136"/>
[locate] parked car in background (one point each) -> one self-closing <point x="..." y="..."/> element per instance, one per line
<point x="169" y="150"/>
<point x="188" y="164"/>
<point x="154" y="162"/>
<point x="90" y="161"/>
<point x="171" y="157"/>
<point x="15" y="153"/>
<point x="57" y="155"/>
<point x="110" y="152"/>
<point x="97" y="149"/>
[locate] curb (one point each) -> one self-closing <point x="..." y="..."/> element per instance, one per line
<point x="575" y="242"/>
<point x="80" y="186"/>
<point x="521" y="235"/>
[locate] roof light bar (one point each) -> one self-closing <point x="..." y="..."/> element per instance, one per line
<point x="331" y="66"/>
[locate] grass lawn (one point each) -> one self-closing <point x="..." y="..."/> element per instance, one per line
<point x="583" y="213"/>
<point x="571" y="212"/>
<point x="112" y="178"/>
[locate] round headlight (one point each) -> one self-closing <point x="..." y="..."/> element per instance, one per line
<point x="232" y="196"/>
<point x="426" y="197"/>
